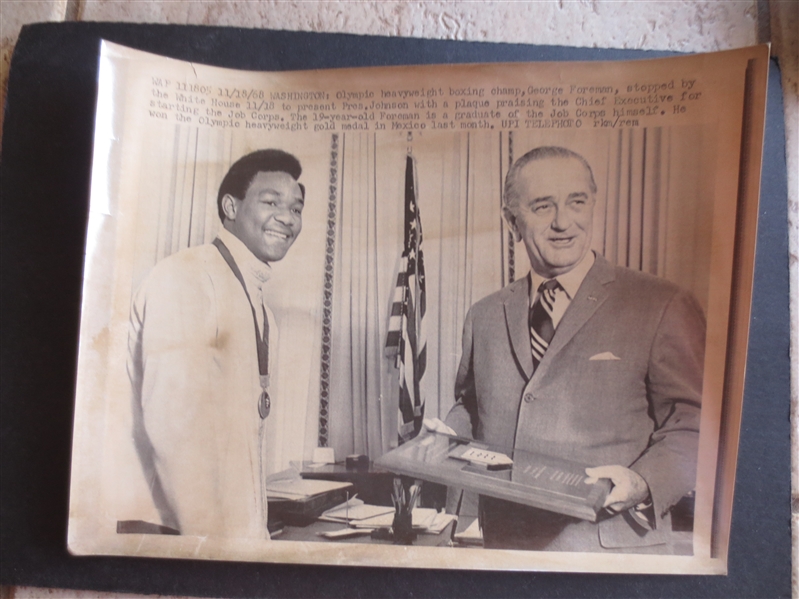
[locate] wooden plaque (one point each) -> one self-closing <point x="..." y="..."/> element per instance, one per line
<point x="537" y="480"/>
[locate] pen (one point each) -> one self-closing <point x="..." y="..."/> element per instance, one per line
<point x="414" y="497"/>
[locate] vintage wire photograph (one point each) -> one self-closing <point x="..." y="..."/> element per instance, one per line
<point x="431" y="317"/>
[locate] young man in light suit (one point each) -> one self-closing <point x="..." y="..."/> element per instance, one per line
<point x="583" y="360"/>
<point x="202" y="347"/>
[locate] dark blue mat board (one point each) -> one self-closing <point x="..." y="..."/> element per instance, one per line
<point x="44" y="186"/>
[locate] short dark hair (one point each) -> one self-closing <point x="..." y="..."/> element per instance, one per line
<point x="243" y="171"/>
<point x="539" y="154"/>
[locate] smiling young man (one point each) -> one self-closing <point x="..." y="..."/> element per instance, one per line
<point x="202" y="347"/>
<point x="586" y="361"/>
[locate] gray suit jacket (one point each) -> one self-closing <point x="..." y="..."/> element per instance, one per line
<point x="621" y="382"/>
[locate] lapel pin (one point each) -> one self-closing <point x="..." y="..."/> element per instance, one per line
<point x="591" y="298"/>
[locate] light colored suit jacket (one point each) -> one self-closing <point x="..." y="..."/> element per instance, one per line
<point x="195" y="387"/>
<point x="621" y="382"/>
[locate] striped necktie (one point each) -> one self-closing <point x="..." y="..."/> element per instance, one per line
<point x="542" y="329"/>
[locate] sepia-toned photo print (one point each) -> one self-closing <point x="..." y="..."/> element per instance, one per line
<point x="480" y="316"/>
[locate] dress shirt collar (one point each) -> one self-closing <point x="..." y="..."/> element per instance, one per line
<point x="254" y="271"/>
<point x="570" y="281"/>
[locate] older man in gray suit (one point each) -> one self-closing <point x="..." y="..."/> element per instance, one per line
<point x="584" y="360"/>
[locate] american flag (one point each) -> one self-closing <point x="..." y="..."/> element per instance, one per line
<point x="406" y="341"/>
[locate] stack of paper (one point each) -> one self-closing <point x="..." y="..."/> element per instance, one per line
<point x="359" y="515"/>
<point x="439" y="523"/>
<point x="299" y="501"/>
<point x="471" y="535"/>
<point x="300" y="488"/>
<point x="355" y="511"/>
<point x="425" y="520"/>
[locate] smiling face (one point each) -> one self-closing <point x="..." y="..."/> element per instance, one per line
<point x="552" y="212"/>
<point x="269" y="217"/>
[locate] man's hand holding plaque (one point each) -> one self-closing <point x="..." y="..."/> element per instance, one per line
<point x="629" y="488"/>
<point x="437" y="425"/>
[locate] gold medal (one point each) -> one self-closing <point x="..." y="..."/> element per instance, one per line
<point x="264" y="404"/>
<point x="264" y="401"/>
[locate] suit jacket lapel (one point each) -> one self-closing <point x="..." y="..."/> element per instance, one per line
<point x="517" y="307"/>
<point x="592" y="293"/>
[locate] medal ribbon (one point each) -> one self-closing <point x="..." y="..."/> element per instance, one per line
<point x="261" y="342"/>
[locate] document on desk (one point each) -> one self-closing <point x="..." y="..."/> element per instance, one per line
<point x="363" y="516"/>
<point x="300" y="488"/>
<point x="439" y="523"/>
<point x="424" y="520"/>
<point x="355" y="513"/>
<point x="345" y="533"/>
<point x="470" y="535"/>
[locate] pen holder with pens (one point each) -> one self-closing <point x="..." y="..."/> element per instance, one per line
<point x="402" y="527"/>
<point x="404" y="503"/>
